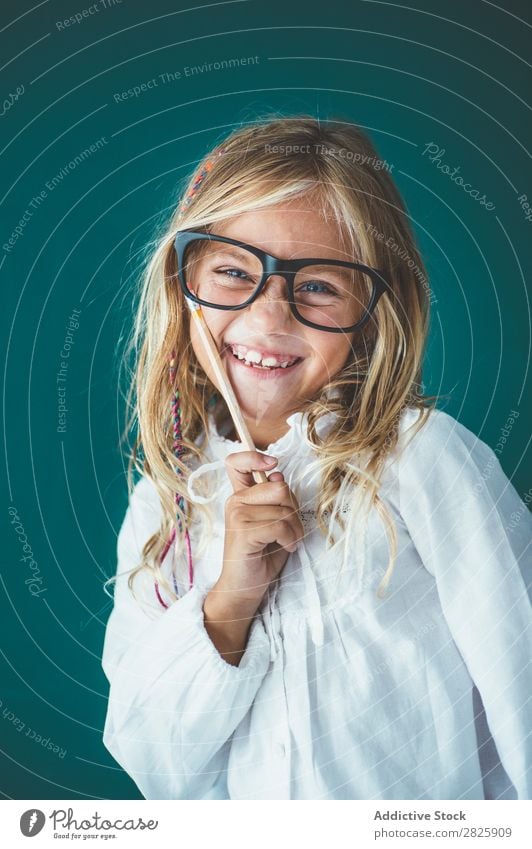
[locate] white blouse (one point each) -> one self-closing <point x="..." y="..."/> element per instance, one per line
<point x="340" y="694"/>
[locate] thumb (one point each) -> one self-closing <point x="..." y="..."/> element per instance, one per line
<point x="241" y="465"/>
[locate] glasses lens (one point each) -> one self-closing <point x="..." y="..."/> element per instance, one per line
<point x="222" y="275"/>
<point x="332" y="296"/>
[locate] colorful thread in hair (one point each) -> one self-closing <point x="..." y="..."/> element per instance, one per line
<point x="176" y="407"/>
<point x="207" y="166"/>
<point x="178" y="450"/>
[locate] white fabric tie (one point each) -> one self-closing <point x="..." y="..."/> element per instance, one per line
<point x="314" y="604"/>
<point x="206" y="467"/>
<point x="272" y="622"/>
<point x="315" y="613"/>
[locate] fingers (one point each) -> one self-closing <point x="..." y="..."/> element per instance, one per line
<point x="281" y="532"/>
<point x="240" y="515"/>
<point x="263" y="532"/>
<point x="270" y="501"/>
<point x="273" y="492"/>
<point x="276" y="476"/>
<point x="242" y="464"/>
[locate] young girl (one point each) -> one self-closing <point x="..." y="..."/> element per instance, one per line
<point x="356" y="627"/>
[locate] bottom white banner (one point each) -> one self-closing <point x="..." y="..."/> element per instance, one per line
<point x="259" y="823"/>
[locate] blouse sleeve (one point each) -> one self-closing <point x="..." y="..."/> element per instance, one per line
<point x="473" y="534"/>
<point x="174" y="702"/>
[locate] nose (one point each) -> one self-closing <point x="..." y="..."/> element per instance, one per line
<point x="271" y="306"/>
<point x="276" y="289"/>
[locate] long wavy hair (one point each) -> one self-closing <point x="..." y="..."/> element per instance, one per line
<point x="261" y="165"/>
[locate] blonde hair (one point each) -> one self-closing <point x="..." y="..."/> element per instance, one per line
<point x="258" y="167"/>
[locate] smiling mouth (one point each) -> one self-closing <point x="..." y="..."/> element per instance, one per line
<point x="265" y="362"/>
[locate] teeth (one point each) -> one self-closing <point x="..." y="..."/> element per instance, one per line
<point x="254" y="358"/>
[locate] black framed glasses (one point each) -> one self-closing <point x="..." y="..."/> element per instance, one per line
<point x="227" y="274"/>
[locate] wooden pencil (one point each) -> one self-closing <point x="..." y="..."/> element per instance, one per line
<point x="224" y="384"/>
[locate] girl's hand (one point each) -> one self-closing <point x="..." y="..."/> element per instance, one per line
<point x="262" y="527"/>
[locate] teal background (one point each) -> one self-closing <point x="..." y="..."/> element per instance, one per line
<point x="451" y="73"/>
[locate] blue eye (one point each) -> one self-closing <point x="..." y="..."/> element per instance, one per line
<point x="324" y="287"/>
<point x="233" y="272"/>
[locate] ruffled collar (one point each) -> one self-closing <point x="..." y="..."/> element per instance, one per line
<point x="294" y="438"/>
<point x="293" y="450"/>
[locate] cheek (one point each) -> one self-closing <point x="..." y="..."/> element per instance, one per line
<point x="330" y="355"/>
<point x="217" y="321"/>
<point x="343" y="350"/>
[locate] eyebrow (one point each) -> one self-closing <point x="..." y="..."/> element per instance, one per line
<point x="336" y="270"/>
<point x="230" y="250"/>
<point x="236" y="252"/>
